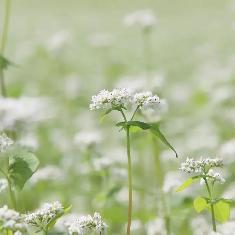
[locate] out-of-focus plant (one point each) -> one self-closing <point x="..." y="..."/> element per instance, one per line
<point x="4" y="62"/>
<point x="17" y="165"/>
<point x="122" y="100"/>
<point x="203" y="170"/>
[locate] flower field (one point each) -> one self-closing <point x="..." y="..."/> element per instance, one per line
<point x="117" y="117"/>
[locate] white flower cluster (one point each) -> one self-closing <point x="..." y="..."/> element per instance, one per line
<point x="86" y="225"/>
<point x="121" y="97"/>
<point x="216" y="176"/>
<point x="199" y="166"/>
<point x="87" y="138"/>
<point x="25" y="110"/>
<point x="3" y="185"/>
<point x="146" y="99"/>
<point x="12" y="220"/>
<point x="46" y="173"/>
<point x="142" y="18"/>
<point x="108" y="99"/>
<point x="5" y="142"/>
<point x="41" y="217"/>
<point x="203" y="167"/>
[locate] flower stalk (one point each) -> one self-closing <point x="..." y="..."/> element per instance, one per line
<point x="4" y="38"/>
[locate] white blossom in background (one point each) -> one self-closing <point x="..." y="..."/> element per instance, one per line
<point x="48" y="173"/>
<point x="85" y="225"/>
<point x="12" y="220"/>
<point x="142" y="18"/>
<point x="227" y="150"/>
<point x="171" y="181"/>
<point x="29" y="140"/>
<point x="59" y="40"/>
<point x="101" y="40"/>
<point x="72" y="86"/>
<point x="200" y="226"/>
<point x="41" y="217"/>
<point x="156" y="227"/>
<point x="230" y="192"/>
<point x="84" y="139"/>
<point x="3" y="185"/>
<point x="23" y="111"/>
<point x="5" y="142"/>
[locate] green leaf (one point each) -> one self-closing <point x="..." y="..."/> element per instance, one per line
<point x="22" y="166"/>
<point x="156" y="131"/>
<point x="200" y="204"/>
<point x="154" y="128"/>
<point x="186" y="184"/>
<point x="4" y="63"/>
<point x="222" y="211"/>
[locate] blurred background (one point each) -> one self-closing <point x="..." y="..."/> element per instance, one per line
<point x="66" y="51"/>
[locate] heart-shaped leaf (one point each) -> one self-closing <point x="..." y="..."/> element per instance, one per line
<point x="200" y="204"/>
<point x="22" y="166"/>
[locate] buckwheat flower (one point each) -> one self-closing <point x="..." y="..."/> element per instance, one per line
<point x="107" y="99"/>
<point x="3" y="185"/>
<point x="142" y="18"/>
<point x="200" y="166"/>
<point x="156" y="226"/>
<point x="5" y="142"/>
<point x="85" y="225"/>
<point x="11" y="220"/>
<point x="43" y="216"/>
<point x="215" y="176"/>
<point x="146" y="100"/>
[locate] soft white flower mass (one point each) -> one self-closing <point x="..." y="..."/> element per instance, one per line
<point x="203" y="167"/>
<point x="5" y="142"/>
<point x="41" y="217"/>
<point x="11" y="220"/>
<point x="121" y="97"/>
<point x="142" y="18"/>
<point x="86" y="225"/>
<point x="3" y="185"/>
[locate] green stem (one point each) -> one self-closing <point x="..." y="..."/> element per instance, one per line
<point x="128" y="231"/>
<point x="132" y="117"/>
<point x="11" y="192"/>
<point x="211" y="204"/>
<point x="160" y="179"/>
<point x="6" y="21"/>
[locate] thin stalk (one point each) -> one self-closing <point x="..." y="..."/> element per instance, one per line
<point x="6" y="21"/>
<point x="11" y="192"/>
<point x="212" y="205"/>
<point x="160" y="179"/>
<point x="147" y="51"/>
<point x="128" y="231"/>
<point x="132" y="117"/>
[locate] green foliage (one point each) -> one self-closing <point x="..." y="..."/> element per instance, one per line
<point x="4" y="63"/>
<point x="185" y="185"/>
<point x="222" y="211"/>
<point x="153" y="127"/>
<point x="22" y="165"/>
<point x="200" y="204"/>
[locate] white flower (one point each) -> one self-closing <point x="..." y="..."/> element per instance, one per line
<point x="199" y="166"/>
<point x="47" y="173"/>
<point x="87" y="138"/>
<point x="3" y="185"/>
<point x="41" y="217"/>
<point x="108" y="99"/>
<point x="142" y="18"/>
<point x="12" y="220"/>
<point x="5" y="142"/>
<point x="146" y="99"/>
<point x="85" y="225"/>
<point x="215" y="176"/>
<point x="156" y="226"/>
